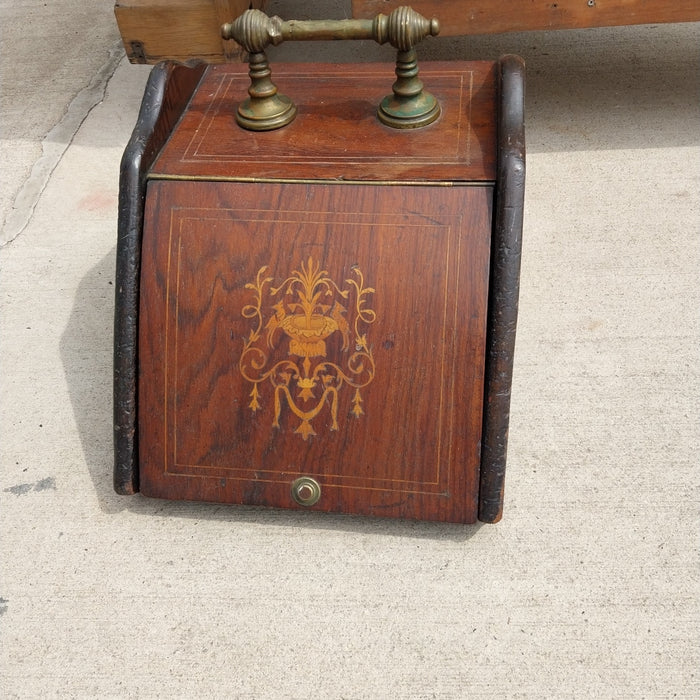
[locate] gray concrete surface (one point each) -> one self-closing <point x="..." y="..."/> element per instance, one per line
<point x="587" y="588"/>
<point x="54" y="61"/>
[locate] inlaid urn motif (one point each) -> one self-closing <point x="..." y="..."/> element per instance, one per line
<point x="300" y="316"/>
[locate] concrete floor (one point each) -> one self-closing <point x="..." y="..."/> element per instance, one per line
<point x="589" y="585"/>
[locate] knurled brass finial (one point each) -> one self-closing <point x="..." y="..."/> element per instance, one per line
<point x="264" y="109"/>
<point x="254" y="30"/>
<point x="408" y="107"/>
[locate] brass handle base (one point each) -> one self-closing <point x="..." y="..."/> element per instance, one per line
<point x="264" y="110"/>
<point x="409" y="107"/>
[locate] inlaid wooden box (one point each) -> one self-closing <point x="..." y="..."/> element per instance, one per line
<point x="320" y="316"/>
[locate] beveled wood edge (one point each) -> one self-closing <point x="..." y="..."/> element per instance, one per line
<point x="504" y="285"/>
<point x="168" y="90"/>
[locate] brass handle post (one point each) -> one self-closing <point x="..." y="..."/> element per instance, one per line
<point x="408" y="107"/>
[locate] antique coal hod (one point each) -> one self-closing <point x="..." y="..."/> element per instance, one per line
<point x="317" y="279"/>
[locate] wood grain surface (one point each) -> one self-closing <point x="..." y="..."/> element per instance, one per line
<point x="336" y="134"/>
<point x="420" y="257"/>
<point x="188" y="31"/>
<point x="459" y="17"/>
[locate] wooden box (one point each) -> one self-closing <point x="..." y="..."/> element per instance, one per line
<point x="320" y="316"/>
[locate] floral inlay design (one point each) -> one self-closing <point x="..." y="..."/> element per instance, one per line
<point x="302" y="315"/>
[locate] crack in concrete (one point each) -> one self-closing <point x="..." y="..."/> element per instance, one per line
<point x="55" y="144"/>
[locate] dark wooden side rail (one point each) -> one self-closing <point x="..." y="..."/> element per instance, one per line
<point x="504" y="286"/>
<point x="168" y="91"/>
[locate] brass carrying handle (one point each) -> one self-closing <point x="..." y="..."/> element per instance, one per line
<point x="408" y="107"/>
<point x="403" y="29"/>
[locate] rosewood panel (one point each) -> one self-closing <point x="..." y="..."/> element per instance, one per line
<point x="324" y="330"/>
<point x="336" y="134"/>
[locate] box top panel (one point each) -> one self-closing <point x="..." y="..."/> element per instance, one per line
<point x="336" y="134"/>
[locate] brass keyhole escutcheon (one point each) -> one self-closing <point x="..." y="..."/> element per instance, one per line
<point x="306" y="491"/>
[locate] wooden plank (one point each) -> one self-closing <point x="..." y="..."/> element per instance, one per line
<point x="187" y="31"/>
<point x="458" y="17"/>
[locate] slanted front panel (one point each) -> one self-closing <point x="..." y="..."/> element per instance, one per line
<point x="322" y="330"/>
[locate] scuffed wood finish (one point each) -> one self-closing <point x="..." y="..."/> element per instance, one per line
<point x="504" y="287"/>
<point x="168" y="90"/>
<point x="458" y="17"/>
<point x="336" y="134"/>
<point x="186" y="31"/>
<point x="413" y="451"/>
